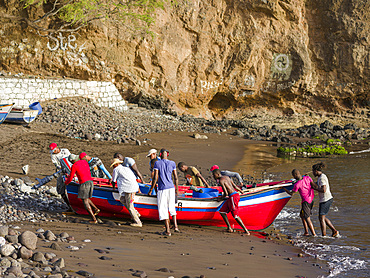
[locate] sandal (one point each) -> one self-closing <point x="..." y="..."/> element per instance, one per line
<point x="164" y="233"/>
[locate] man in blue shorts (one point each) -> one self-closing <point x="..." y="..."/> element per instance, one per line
<point x="167" y="190"/>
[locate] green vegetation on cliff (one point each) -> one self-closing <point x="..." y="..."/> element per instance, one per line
<point x="71" y="15"/>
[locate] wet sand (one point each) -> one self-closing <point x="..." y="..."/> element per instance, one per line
<point x="196" y="251"/>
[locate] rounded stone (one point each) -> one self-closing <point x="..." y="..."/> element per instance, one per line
<point x="28" y="239"/>
<point x="25" y="253"/>
<point x="7" y="250"/>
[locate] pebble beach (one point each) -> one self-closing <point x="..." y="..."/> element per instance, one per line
<point x="67" y="246"/>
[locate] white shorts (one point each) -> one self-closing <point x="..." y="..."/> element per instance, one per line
<point x="166" y="203"/>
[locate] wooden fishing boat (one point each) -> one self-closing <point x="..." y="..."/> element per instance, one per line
<point x="258" y="207"/>
<point x="4" y="111"/>
<point x="21" y="115"/>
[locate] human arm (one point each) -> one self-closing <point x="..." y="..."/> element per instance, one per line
<point x="105" y="171"/>
<point x="113" y="180"/>
<point x="137" y="172"/>
<point x="224" y="194"/>
<point x="233" y="175"/>
<point x="176" y="179"/>
<point x="199" y="175"/>
<point x="316" y="187"/>
<point x="237" y="188"/>
<point x="56" y="162"/>
<point x="288" y="191"/>
<point x="154" y="181"/>
<point x="70" y="177"/>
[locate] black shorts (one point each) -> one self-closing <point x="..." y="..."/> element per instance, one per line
<point x="85" y="190"/>
<point x="306" y="209"/>
<point x="325" y="206"/>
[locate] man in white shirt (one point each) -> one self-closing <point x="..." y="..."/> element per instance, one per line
<point x="127" y="187"/>
<point x="130" y="162"/>
<point x="57" y="155"/>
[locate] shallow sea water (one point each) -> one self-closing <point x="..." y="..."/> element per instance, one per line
<point x="349" y="178"/>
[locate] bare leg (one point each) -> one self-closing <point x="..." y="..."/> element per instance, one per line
<point x="88" y="208"/>
<point x="240" y="222"/>
<point x="310" y="226"/>
<point x="322" y="224"/>
<point x="326" y="222"/>
<point x="305" y="226"/>
<point x="174" y="219"/>
<point x="167" y="225"/>
<point x="93" y="206"/>
<point x="224" y="217"/>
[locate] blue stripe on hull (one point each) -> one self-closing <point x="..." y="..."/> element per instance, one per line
<point x="100" y="193"/>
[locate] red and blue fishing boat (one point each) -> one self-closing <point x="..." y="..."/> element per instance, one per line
<point x="4" y="111"/>
<point x="258" y="206"/>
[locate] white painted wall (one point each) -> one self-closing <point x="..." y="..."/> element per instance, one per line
<point x="24" y="91"/>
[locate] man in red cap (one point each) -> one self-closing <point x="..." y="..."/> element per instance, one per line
<point x="230" y="174"/>
<point x="82" y="170"/>
<point x="57" y="155"/>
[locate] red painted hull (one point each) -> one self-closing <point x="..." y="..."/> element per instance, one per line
<point x="257" y="209"/>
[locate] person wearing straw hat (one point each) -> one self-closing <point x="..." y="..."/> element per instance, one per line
<point x="164" y="169"/>
<point x="81" y="169"/>
<point x="131" y="163"/>
<point x="230" y="174"/>
<point x="127" y="187"/>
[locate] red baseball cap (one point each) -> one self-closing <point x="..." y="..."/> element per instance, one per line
<point x="82" y="155"/>
<point x="52" y="147"/>
<point x="214" y="167"/>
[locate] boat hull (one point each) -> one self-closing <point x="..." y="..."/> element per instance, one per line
<point x="21" y="116"/>
<point x="257" y="209"/>
<point x="4" y="111"/>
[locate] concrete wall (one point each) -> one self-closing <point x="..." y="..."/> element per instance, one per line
<point x="24" y="91"/>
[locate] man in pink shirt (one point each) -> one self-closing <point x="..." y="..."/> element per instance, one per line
<point x="82" y="170"/>
<point x="303" y="186"/>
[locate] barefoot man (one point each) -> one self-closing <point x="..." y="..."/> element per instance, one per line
<point x="164" y="169"/>
<point x="85" y="190"/>
<point x="303" y="186"/>
<point x="232" y="200"/>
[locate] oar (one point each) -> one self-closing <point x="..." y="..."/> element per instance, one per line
<point x="266" y="187"/>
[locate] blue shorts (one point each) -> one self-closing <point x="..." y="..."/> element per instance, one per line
<point x="325" y="206"/>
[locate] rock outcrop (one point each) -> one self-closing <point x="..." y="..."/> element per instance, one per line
<point x="215" y="58"/>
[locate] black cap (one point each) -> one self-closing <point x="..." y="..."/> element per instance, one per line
<point x="164" y="150"/>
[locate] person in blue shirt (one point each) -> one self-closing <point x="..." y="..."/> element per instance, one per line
<point x="97" y="168"/>
<point x="164" y="170"/>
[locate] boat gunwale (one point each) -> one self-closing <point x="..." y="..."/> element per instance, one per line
<point x="262" y="189"/>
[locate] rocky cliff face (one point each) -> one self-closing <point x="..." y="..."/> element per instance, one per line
<point x="216" y="58"/>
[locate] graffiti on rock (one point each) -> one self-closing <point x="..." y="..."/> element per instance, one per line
<point x="281" y="67"/>
<point x="207" y="85"/>
<point x="61" y="42"/>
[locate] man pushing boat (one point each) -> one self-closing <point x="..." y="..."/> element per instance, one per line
<point x="232" y="200"/>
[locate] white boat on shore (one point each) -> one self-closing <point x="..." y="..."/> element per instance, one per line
<point x="21" y="115"/>
<point x="4" y="111"/>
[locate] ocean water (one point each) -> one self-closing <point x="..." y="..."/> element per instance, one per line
<point x="349" y="179"/>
